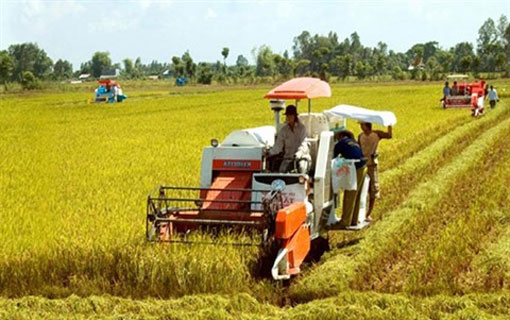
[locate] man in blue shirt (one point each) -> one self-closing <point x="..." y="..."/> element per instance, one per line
<point x="348" y="148"/>
<point x="446" y="92"/>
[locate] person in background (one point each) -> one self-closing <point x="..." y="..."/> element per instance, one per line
<point x="446" y="91"/>
<point x="369" y="141"/>
<point x="291" y="141"/>
<point x="493" y="97"/>
<point x="348" y="148"/>
<point x="114" y="90"/>
<point x="455" y="89"/>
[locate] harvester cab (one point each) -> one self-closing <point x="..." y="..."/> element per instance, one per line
<point x="237" y="190"/>
<point x="108" y="91"/>
<point x="465" y="94"/>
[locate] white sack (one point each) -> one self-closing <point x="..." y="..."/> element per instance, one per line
<point x="385" y="118"/>
<point x="343" y="175"/>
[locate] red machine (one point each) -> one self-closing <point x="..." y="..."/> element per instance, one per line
<point x="465" y="95"/>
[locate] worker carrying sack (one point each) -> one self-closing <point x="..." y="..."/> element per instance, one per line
<point x="343" y="175"/>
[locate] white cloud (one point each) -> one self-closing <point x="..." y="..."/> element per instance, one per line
<point x="145" y="4"/>
<point x="156" y="4"/>
<point x="114" y="22"/>
<point x="40" y="15"/>
<point x="285" y="10"/>
<point x="211" y="14"/>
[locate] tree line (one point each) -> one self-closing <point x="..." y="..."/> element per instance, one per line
<point x="311" y="55"/>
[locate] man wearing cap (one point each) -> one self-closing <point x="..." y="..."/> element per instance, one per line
<point x="291" y="141"/>
<point x="369" y="140"/>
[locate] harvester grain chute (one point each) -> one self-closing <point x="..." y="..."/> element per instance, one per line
<point x="238" y="191"/>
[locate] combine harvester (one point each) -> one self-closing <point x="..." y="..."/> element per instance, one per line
<point x="237" y="191"/>
<point x="109" y="91"/>
<point x="471" y="95"/>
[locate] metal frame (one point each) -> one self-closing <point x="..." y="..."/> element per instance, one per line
<point x="160" y="206"/>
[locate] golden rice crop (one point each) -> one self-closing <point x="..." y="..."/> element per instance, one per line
<point x="75" y="178"/>
<point x="346" y="305"/>
<point x="78" y="175"/>
<point x="386" y="239"/>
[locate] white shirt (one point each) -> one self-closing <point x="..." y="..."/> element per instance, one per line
<point x="493" y="95"/>
<point x="291" y="141"/>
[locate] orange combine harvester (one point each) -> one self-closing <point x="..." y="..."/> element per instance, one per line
<point x="238" y="191"/>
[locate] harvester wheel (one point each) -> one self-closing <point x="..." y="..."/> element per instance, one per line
<point x="318" y="247"/>
<point x="267" y="257"/>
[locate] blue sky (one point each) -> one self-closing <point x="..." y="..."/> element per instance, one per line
<point x="160" y="29"/>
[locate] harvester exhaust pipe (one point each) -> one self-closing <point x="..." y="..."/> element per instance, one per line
<point x="277" y="106"/>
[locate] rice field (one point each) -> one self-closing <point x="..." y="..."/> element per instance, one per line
<point x="75" y="176"/>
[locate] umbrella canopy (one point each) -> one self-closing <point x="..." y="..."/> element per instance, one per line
<point x="385" y="118"/>
<point x="300" y="88"/>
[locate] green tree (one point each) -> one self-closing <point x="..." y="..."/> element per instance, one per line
<point x="301" y="66"/>
<point x="397" y="73"/>
<point x="28" y="81"/>
<point x="265" y="63"/>
<point x="461" y="51"/>
<point x="6" y="67"/>
<point x="475" y="66"/>
<point x="486" y="45"/>
<point x="177" y="67"/>
<point x="502" y="26"/>
<point x="284" y="66"/>
<point x="465" y="63"/>
<point x="430" y="50"/>
<point x="28" y="57"/>
<point x="302" y="46"/>
<point x="62" y="69"/>
<point x="86" y="67"/>
<point x="189" y="66"/>
<point x="100" y="61"/>
<point x="500" y="61"/>
<point x="506" y="43"/>
<point x="346" y="66"/>
<point x="355" y="44"/>
<point x="129" y="69"/>
<point x="324" y="72"/>
<point x="432" y="67"/>
<point x="242" y="61"/>
<point x="205" y="73"/>
<point x="445" y="59"/>
<point x="487" y="35"/>
<point x="224" y="52"/>
<point x="139" y="67"/>
<point x="242" y="65"/>
<point x="361" y="71"/>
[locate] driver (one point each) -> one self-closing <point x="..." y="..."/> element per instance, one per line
<point x="290" y="141"/>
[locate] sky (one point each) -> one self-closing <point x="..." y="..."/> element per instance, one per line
<point x="159" y="29"/>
